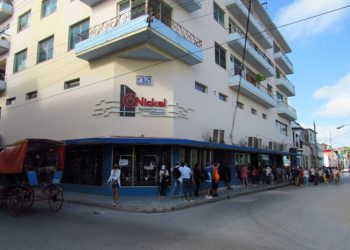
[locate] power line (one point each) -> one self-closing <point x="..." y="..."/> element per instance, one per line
<point x="240" y="79"/>
<point x="156" y="64"/>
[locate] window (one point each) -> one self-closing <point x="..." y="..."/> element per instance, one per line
<point x="220" y="56"/>
<point x="45" y="49"/>
<point x="240" y="105"/>
<point x="200" y="87"/>
<point x="264" y="116"/>
<point x="81" y="28"/>
<point x="10" y="101"/>
<point x="72" y="83"/>
<point x="31" y="95"/>
<point x="282" y="128"/>
<point x="222" y="97"/>
<point x="253" y="111"/>
<point x="23" y="21"/>
<point x="20" y="61"/>
<point x="48" y="7"/>
<point x="219" y="14"/>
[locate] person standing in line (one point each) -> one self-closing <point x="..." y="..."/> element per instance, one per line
<point x="268" y="173"/>
<point x="114" y="180"/>
<point x="306" y="177"/>
<point x="197" y="179"/>
<point x="186" y="174"/>
<point x="177" y="188"/>
<point x="254" y="176"/>
<point x="163" y="180"/>
<point x="227" y="176"/>
<point x="244" y="176"/>
<point x="215" y="180"/>
<point x="312" y="175"/>
<point x="208" y="180"/>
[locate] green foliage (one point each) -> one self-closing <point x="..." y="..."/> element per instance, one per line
<point x="259" y="78"/>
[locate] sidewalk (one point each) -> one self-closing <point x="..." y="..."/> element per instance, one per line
<point x="157" y="204"/>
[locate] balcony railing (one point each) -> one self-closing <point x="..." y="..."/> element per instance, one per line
<point x="252" y="12"/>
<point x="138" y="11"/>
<point x="2" y="82"/>
<point x="9" y="2"/>
<point x="251" y="80"/>
<point x="286" y="105"/>
<point x="235" y="28"/>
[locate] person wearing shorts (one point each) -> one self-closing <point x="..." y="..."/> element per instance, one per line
<point x="114" y="180"/>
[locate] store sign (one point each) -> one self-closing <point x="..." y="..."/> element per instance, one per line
<point x="130" y="103"/>
<point x="123" y="162"/>
<point x="144" y="80"/>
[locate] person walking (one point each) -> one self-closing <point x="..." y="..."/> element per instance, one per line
<point x="163" y="180"/>
<point x="186" y="174"/>
<point x="197" y="179"/>
<point x="177" y="177"/>
<point x="114" y="180"/>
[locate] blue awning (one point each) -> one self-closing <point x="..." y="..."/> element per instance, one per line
<point x="171" y="141"/>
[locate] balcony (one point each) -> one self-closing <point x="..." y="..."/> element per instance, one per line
<point x="6" y="9"/>
<point x="2" y="82"/>
<point x="285" y="85"/>
<point x="91" y="2"/>
<point x="253" y="54"/>
<point x="286" y="111"/>
<point x="4" y="43"/>
<point x="256" y="28"/>
<point x="283" y="61"/>
<point x="254" y="91"/>
<point x="135" y="34"/>
<point x="190" y="5"/>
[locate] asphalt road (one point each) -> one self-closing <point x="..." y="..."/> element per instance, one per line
<point x="314" y="217"/>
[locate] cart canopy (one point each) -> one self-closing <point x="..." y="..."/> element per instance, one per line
<point x="12" y="157"/>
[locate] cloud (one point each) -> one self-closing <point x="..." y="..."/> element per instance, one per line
<point x="337" y="98"/>
<point x="300" y="9"/>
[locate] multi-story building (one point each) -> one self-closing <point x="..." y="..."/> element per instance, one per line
<point x="145" y="82"/>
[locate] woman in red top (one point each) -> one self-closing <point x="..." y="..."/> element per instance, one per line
<point x="244" y="176"/>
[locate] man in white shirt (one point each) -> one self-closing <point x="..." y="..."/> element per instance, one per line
<point x="186" y="174"/>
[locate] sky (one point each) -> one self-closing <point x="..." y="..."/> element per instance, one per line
<point x="321" y="58"/>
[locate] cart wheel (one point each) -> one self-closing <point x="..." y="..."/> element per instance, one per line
<point x="15" y="202"/>
<point x="28" y="196"/>
<point x="55" y="198"/>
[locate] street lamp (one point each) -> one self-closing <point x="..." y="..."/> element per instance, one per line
<point x="342" y="126"/>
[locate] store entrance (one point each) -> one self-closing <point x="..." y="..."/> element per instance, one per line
<point x="126" y="166"/>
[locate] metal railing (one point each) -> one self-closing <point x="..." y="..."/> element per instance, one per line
<point x="287" y="82"/>
<point x="249" y="78"/>
<point x="2" y="77"/>
<point x="286" y="105"/>
<point x="137" y="11"/>
<point x="10" y="2"/>
<point x="235" y="28"/>
<point x="257" y="18"/>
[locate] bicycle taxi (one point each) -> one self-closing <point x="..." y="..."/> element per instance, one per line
<point x="27" y="167"/>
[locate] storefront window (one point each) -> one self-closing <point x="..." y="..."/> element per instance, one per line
<point x="140" y="165"/>
<point x="83" y="165"/>
<point x="241" y="159"/>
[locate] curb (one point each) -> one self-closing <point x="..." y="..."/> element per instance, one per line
<point x="172" y="208"/>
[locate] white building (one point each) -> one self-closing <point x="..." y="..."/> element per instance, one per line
<point x="143" y="83"/>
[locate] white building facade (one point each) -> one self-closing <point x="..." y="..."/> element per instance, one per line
<point x="144" y="83"/>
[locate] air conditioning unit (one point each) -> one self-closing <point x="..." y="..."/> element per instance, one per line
<point x="221" y="136"/>
<point x="250" y="141"/>
<point x="215" y="135"/>
<point x="257" y="142"/>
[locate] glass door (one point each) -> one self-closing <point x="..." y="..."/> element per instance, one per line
<point x="126" y="163"/>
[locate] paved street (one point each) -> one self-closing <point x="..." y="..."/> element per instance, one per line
<point x="314" y="217"/>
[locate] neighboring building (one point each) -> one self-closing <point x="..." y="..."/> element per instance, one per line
<point x="320" y="155"/>
<point x="125" y="82"/>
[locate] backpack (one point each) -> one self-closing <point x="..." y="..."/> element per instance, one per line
<point x="176" y="173"/>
